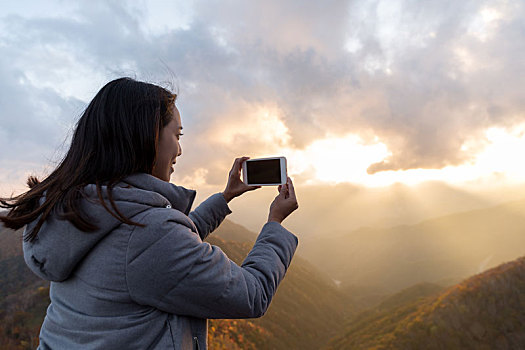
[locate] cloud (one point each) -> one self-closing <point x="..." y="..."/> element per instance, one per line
<point x="35" y="123"/>
<point x="422" y="78"/>
<point x="406" y="80"/>
<point x="417" y="75"/>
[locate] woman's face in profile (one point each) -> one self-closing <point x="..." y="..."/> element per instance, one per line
<point x="169" y="148"/>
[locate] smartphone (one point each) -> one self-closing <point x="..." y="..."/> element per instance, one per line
<point x="264" y="171"/>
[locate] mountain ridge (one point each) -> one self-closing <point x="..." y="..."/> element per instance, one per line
<point x="485" y="311"/>
<point x="451" y="247"/>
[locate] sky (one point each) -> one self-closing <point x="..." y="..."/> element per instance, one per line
<point x="356" y="94"/>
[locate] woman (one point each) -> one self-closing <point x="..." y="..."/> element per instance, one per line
<point x="124" y="254"/>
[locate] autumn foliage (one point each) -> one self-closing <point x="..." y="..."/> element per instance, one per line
<point x="486" y="311"/>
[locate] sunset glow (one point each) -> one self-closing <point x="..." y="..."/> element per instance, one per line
<point x="346" y="159"/>
<point x="337" y="159"/>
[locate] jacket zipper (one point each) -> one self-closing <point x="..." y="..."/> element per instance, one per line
<point x="171" y="334"/>
<point x="196" y="343"/>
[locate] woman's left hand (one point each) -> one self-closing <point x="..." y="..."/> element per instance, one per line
<point x="235" y="187"/>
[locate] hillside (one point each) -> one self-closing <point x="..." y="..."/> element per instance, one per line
<point x="485" y="311"/>
<point x="230" y="231"/>
<point x="307" y="307"/>
<point x="345" y="207"/>
<point x="306" y="312"/>
<point x="14" y="274"/>
<point x="449" y="248"/>
<point x="10" y="244"/>
<point x="23" y="296"/>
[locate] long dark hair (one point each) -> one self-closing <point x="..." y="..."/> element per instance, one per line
<point x="117" y="135"/>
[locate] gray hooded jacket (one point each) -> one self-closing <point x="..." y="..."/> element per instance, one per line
<point x="152" y="287"/>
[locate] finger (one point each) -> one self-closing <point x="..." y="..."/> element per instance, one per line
<point x="291" y="189"/>
<point x="237" y="164"/>
<point x="284" y="191"/>
<point x="232" y="170"/>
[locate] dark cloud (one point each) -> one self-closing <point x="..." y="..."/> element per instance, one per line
<point x="34" y="122"/>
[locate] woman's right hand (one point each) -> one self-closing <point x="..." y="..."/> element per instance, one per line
<point x="284" y="204"/>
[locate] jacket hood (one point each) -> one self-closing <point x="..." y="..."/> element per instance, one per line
<point x="59" y="246"/>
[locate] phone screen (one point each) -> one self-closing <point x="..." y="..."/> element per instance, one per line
<point x="266" y="171"/>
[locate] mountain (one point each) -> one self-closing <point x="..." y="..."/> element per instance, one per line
<point x="485" y="311"/>
<point x="230" y="231"/>
<point x="383" y="318"/>
<point x="449" y="248"/>
<point x="306" y="312"/>
<point x="23" y="296"/>
<point x="14" y="274"/>
<point x="345" y="207"/>
<point x="10" y="243"/>
<point x="307" y="307"/>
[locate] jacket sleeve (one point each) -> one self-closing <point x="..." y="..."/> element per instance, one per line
<point x="209" y="214"/>
<point x="173" y="270"/>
